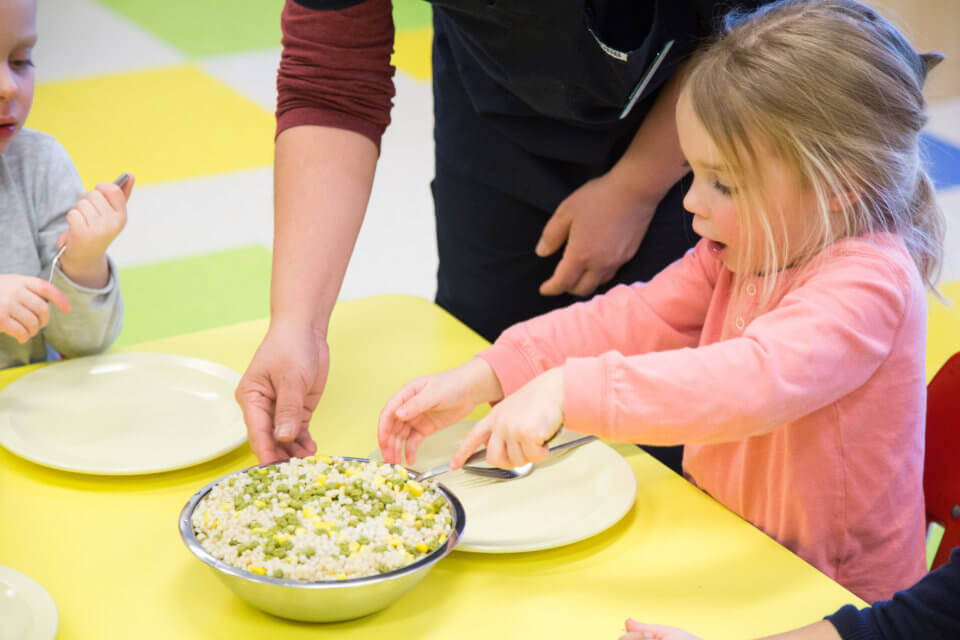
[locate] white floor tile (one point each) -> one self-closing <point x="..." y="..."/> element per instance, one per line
<point x="253" y="75"/>
<point x="81" y="38"/>
<point x="945" y="120"/>
<point x="950" y="201"/>
<point x="200" y="215"/>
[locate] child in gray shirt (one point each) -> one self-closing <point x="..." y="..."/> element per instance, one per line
<point x="43" y="207"/>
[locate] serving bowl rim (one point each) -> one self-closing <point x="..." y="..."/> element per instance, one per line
<point x="194" y="546"/>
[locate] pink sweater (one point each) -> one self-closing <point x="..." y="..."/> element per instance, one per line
<point x="806" y="420"/>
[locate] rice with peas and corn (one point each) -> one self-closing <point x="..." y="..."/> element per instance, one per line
<point x="322" y="518"/>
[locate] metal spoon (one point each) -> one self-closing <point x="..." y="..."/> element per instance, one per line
<point x="503" y="474"/>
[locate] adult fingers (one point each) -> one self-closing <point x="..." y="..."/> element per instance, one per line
<point x="588" y="282"/>
<point x="568" y="271"/>
<point x="421" y="399"/>
<point x="388" y="423"/>
<point x="554" y="233"/>
<point x="257" y="411"/>
<point x="287" y="420"/>
<point x="477" y="436"/>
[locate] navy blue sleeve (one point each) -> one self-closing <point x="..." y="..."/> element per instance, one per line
<point x="930" y="610"/>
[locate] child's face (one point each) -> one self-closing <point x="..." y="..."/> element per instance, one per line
<point x="710" y="198"/>
<point x="18" y="34"/>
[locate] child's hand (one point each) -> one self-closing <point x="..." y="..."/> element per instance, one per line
<point x="24" y="305"/>
<point x="431" y="403"/>
<point x="639" y="631"/>
<point x="516" y="429"/>
<point x="92" y="225"/>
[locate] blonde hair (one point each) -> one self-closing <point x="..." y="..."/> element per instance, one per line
<point x="834" y="91"/>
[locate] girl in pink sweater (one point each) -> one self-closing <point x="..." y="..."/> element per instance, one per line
<point x="786" y="350"/>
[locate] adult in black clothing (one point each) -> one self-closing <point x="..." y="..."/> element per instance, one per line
<point x="558" y="170"/>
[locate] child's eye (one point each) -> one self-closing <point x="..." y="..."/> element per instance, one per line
<point x="21" y="64"/>
<point x="722" y="188"/>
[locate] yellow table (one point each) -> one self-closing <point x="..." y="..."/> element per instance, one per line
<point x="108" y="551"/>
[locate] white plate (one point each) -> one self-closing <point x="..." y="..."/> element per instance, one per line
<point x="567" y="498"/>
<point x="122" y="414"/>
<point x="27" y="612"/>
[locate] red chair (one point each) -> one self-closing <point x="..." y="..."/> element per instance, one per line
<point x="941" y="472"/>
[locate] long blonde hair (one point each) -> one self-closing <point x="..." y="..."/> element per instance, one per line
<point x="834" y="91"/>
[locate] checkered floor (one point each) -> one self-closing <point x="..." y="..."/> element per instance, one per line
<point x="181" y="93"/>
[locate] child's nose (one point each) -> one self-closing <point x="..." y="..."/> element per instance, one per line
<point x="692" y="203"/>
<point x="8" y="85"/>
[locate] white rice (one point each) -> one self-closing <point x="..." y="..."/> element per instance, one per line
<point x="322" y="518"/>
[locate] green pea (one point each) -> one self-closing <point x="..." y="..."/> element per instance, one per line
<point x="278" y="573"/>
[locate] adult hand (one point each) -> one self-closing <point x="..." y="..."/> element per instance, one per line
<point x="24" y="305"/>
<point x="640" y="631"/>
<point x="603" y="223"/>
<point x="516" y="429"/>
<point x="280" y="390"/>
<point x="430" y="403"/>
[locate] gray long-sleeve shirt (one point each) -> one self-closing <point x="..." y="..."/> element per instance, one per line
<point x="38" y="186"/>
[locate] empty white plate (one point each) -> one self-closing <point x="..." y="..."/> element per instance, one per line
<point x="27" y="612"/>
<point x="567" y="498"/>
<point x="122" y="414"/>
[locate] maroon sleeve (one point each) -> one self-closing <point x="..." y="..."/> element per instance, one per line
<point x="335" y="70"/>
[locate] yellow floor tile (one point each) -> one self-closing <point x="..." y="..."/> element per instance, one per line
<point x="163" y="124"/>
<point x="943" y="330"/>
<point x="412" y="49"/>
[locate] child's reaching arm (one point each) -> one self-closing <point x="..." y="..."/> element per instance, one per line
<point x="824" y="340"/>
<point x="84" y="273"/>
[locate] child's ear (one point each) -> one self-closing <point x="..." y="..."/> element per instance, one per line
<point x="842" y="201"/>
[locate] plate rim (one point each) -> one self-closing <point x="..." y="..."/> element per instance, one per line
<point x="39" y="600"/>
<point x="215" y="369"/>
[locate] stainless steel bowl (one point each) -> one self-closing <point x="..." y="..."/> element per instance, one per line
<point x="321" y="601"/>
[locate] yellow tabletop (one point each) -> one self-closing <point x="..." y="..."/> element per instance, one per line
<point x="108" y="551"/>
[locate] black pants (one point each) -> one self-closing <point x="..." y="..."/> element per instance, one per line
<point x="489" y="275"/>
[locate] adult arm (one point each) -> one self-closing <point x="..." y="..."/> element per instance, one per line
<point x="334" y="94"/>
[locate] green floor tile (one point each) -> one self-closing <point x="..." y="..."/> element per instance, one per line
<point x="412" y="14"/>
<point x="191" y="294"/>
<point x="200" y="28"/>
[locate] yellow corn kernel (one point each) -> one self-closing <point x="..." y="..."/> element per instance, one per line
<point x="260" y="571"/>
<point x="299" y="530"/>
<point x="323" y="459"/>
<point x="206" y="518"/>
<point x="236" y="515"/>
<point x="429" y="516"/>
<point x="341" y="537"/>
<point x="407" y="517"/>
<point x="227" y="506"/>
<point x="407" y="557"/>
<point x="402" y="472"/>
<point x="393" y="541"/>
<point x="262" y="472"/>
<point x="422" y="548"/>
<point x="363" y="549"/>
<point x="281" y="537"/>
<point x="258" y="530"/>
<point x="341" y="576"/>
<point x="378" y="481"/>
<point x="354" y="546"/>
<point x="414" y="488"/>
<point x="289" y="510"/>
<point x="216" y="523"/>
<point x="350" y="471"/>
<point x="388" y="522"/>
<point x="310" y="459"/>
<point x="260" y="504"/>
<point x="321" y="481"/>
<point x="309" y="513"/>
